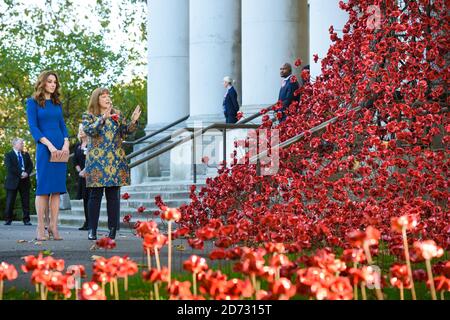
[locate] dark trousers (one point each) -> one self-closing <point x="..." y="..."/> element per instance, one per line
<point x="24" y="190"/>
<point x="230" y="118"/>
<point x="83" y="193"/>
<point x="112" y="206"/>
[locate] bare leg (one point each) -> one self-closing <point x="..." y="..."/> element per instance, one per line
<point x="54" y="212"/>
<point x="41" y="207"/>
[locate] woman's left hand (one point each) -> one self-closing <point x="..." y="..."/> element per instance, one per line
<point x="65" y="149"/>
<point x="136" y="114"/>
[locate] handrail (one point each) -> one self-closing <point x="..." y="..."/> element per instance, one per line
<point x="170" y="125"/>
<point x="298" y="137"/>
<point x="175" y="133"/>
<point x="222" y="126"/>
<point x="254" y="116"/>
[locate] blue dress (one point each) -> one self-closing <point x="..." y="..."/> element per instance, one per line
<point x="48" y="122"/>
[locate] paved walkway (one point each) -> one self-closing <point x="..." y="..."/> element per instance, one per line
<point x="17" y="241"/>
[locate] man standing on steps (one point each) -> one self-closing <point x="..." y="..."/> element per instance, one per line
<point x="18" y="167"/>
<point x="289" y="85"/>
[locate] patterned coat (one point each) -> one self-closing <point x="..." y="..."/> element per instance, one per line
<point x="106" y="165"/>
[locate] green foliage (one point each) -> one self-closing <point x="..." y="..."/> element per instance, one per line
<point x="34" y="38"/>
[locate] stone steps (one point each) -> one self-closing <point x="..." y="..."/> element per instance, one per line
<point x="71" y="218"/>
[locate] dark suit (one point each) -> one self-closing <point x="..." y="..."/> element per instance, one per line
<point x="14" y="183"/>
<point x="79" y="159"/>
<point x="230" y="106"/>
<point x="287" y="96"/>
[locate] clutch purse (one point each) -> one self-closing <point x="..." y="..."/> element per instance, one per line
<point x="64" y="158"/>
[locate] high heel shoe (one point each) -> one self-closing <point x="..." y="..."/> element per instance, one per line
<point x="51" y="236"/>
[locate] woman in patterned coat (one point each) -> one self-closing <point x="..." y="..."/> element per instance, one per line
<point x="106" y="166"/>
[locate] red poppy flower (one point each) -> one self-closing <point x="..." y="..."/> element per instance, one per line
<point x="298" y="62"/>
<point x="399" y="276"/>
<point x="154" y="275"/>
<point x="127" y="218"/>
<point x="126" y="196"/>
<point x="196" y="243"/>
<point x="442" y="283"/>
<point x="151" y="241"/>
<point x="171" y="214"/>
<point x="284" y="289"/>
<point x="146" y="227"/>
<point x="92" y="291"/>
<point x="7" y="272"/>
<point x="195" y="264"/>
<point x="106" y="243"/>
<point x="141" y="209"/>
<point x="353" y="255"/>
<point x="239" y="288"/>
<point x="407" y="221"/>
<point x="239" y="115"/>
<point x="115" y="117"/>
<point x="180" y="290"/>
<point x="428" y="249"/>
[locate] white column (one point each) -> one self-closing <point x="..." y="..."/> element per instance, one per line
<point x="323" y="14"/>
<point x="168" y="61"/>
<point x="214" y="52"/>
<point x="273" y="32"/>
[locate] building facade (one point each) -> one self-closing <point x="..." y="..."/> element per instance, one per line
<point x="193" y="44"/>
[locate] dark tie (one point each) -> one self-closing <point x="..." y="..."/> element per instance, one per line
<point x="21" y="161"/>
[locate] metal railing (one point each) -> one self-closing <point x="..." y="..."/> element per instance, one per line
<point x="196" y="132"/>
<point x="161" y="130"/>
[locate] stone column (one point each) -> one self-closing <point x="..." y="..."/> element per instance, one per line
<point x="273" y="32"/>
<point x="323" y="14"/>
<point x="214" y="52"/>
<point x="168" y="61"/>
<point x="168" y="74"/>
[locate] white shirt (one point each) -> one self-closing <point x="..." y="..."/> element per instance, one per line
<point x="283" y="83"/>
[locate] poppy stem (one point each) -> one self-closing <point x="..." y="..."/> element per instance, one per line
<point x="1" y="289"/>
<point x="111" y="288"/>
<point x="194" y="281"/>
<point x="37" y="287"/>
<point x="156" y="291"/>
<point x="149" y="261"/>
<point x="363" y="290"/>
<point x="370" y="261"/>
<point x="442" y="295"/>
<point x="158" y="264"/>
<point x="355" y="285"/>
<point x="170" y="252"/>
<point x="402" y="296"/>
<point x="116" y="289"/>
<point x="408" y="262"/>
<point x="126" y="283"/>
<point x="430" y="279"/>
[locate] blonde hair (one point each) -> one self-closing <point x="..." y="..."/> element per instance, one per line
<point x="229" y="80"/>
<point x="94" y="106"/>
<point x="39" y="88"/>
<point x="80" y="127"/>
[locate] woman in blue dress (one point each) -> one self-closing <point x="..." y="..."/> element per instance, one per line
<point x="46" y="122"/>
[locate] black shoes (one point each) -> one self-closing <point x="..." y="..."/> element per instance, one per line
<point x="92" y="234"/>
<point x="28" y="223"/>
<point x="8" y="223"/>
<point x="84" y="227"/>
<point x="112" y="233"/>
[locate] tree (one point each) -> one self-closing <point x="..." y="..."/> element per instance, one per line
<point x="53" y="36"/>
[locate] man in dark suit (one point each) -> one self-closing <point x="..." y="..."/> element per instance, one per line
<point x="18" y="167"/>
<point x="288" y="87"/>
<point x="230" y="101"/>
